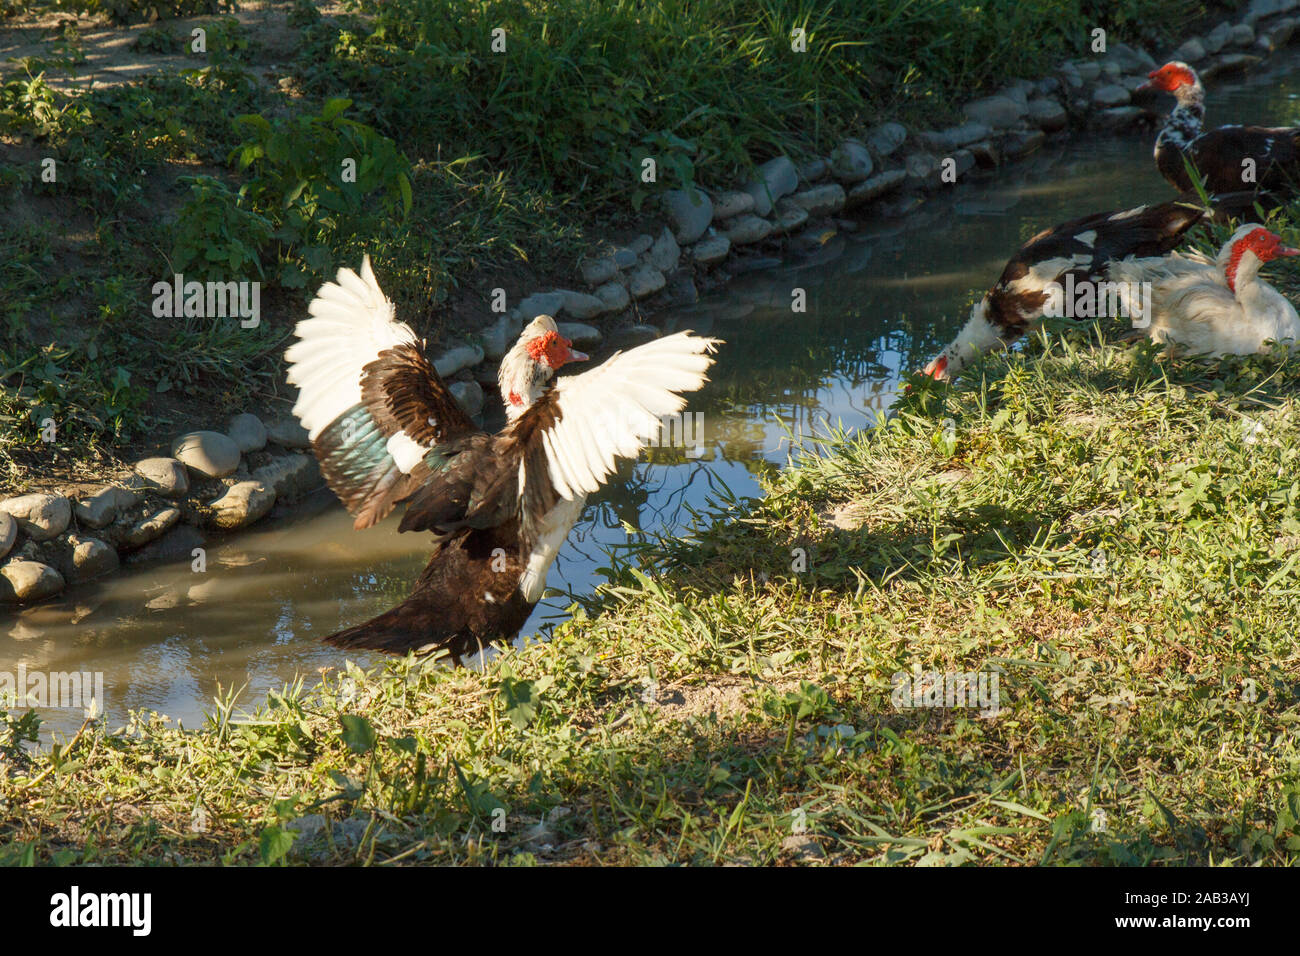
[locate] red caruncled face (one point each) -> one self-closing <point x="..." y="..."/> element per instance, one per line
<point x="1170" y="76"/>
<point x="552" y="350"/>
<point x="1265" y="245"/>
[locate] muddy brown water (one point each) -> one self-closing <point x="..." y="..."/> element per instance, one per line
<point x="879" y="303"/>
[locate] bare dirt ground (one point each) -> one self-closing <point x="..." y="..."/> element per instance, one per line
<point x="109" y="55"/>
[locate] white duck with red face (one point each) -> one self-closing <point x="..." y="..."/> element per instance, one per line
<point x="1223" y="309"/>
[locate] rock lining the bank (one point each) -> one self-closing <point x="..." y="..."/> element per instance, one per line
<point x="49" y="541"/>
<point x="223" y="481"/>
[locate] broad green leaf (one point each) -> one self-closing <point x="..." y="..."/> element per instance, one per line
<point x="274" y="843"/>
<point x="357" y="733"/>
<point x="333" y="107"/>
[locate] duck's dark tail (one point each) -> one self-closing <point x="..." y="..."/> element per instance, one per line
<point x="414" y="625"/>
<point x="467" y="597"/>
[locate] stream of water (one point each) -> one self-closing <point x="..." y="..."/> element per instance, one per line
<point x="880" y="302"/>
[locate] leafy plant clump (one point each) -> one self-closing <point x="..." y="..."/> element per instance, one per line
<point x="322" y="182"/>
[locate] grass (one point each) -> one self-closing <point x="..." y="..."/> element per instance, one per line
<point x="1112" y="533"/>
<point x="480" y="169"/>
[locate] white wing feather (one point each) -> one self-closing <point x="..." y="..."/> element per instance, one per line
<point x="352" y="322"/>
<point x="613" y="410"/>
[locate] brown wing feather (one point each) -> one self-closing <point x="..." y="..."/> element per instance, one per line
<point x="405" y="393"/>
<point x="1218" y="155"/>
<point x="400" y="392"/>
<point x="525" y="441"/>
<point x="1152" y="232"/>
<point x="356" y="467"/>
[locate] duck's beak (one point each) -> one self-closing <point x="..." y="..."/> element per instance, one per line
<point x="576" y="356"/>
<point x="937" y="369"/>
<point x="1150" y="84"/>
<point x="1287" y="251"/>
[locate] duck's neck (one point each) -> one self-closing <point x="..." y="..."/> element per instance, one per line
<point x="1264" y="312"/>
<point x="522" y="382"/>
<point x="1185" y="122"/>
<point x="1242" y="275"/>
<point x="978" y="335"/>
<point x="1239" y="264"/>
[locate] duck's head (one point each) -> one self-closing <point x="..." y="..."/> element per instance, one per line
<point x="938" y="368"/>
<point x="1175" y="77"/>
<point x="526" y="368"/>
<point x="1250" y="247"/>
<point x="980" y="334"/>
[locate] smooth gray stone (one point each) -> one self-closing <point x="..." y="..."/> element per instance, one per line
<point x="167" y="476"/>
<point x="42" y="517"/>
<point x="210" y="454"/>
<point x="22" y="581"/>
<point x="247" y="431"/>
